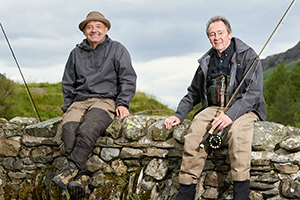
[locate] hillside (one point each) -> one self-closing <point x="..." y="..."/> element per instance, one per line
<point x="48" y="100"/>
<point x="289" y="56"/>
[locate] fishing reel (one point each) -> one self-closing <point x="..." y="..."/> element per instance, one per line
<point x="215" y="141"/>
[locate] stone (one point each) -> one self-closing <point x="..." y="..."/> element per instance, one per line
<point x="17" y="175"/>
<point x="267" y="135"/>
<point x="119" y="167"/>
<point x="211" y="193"/>
<point x="8" y="163"/>
<point x="214" y="179"/>
<point x="97" y="179"/>
<point x="46" y="128"/>
<point x="60" y="162"/>
<point x="268" y="178"/>
<point x="131" y="153"/>
<point x="94" y="164"/>
<point x="291" y="143"/>
<point x="157" y="168"/>
<point x="255" y="196"/>
<point x="16" y="126"/>
<point x="31" y="141"/>
<point x="107" y="154"/>
<point x="271" y="193"/>
<point x="286" y="168"/>
<point x="181" y="130"/>
<point x="134" y="127"/>
<point x="155" y="152"/>
<point x="289" y="188"/>
<point x="42" y="154"/>
<point x="9" y="147"/>
<point x="260" y="186"/>
<point x="159" y="132"/>
<point x="115" y="128"/>
<point x="144" y="168"/>
<point x="132" y="163"/>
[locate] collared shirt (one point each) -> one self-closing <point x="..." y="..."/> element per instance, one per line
<point x="221" y="65"/>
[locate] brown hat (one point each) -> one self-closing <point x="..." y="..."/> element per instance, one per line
<point x="94" y="16"/>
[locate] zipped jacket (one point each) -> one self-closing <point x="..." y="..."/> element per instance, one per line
<point x="249" y="97"/>
<point x="104" y="72"/>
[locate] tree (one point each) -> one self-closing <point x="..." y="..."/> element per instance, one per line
<point x="278" y="78"/>
<point x="295" y="81"/>
<point x="282" y="110"/>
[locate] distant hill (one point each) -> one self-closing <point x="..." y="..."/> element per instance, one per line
<point x="289" y="56"/>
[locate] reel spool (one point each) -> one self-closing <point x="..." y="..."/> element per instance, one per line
<point x="215" y="141"/>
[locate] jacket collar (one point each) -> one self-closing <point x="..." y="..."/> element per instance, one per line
<point x="85" y="45"/>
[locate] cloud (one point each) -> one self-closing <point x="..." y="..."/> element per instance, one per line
<point x="167" y="78"/>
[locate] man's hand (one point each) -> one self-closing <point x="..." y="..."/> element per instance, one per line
<point x="122" y="112"/>
<point x="171" y="121"/>
<point x="63" y="117"/>
<point x="221" y="122"/>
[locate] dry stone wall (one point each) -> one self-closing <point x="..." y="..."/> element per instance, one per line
<point x="139" y="159"/>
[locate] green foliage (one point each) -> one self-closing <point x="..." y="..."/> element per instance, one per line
<point x="282" y="94"/>
<point x="111" y="185"/>
<point x="7" y="92"/>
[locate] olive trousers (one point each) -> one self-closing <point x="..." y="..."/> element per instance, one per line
<point x="240" y="135"/>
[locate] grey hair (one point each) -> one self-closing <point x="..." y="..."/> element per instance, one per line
<point x="218" y="18"/>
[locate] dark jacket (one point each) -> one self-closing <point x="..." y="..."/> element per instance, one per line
<point x="249" y="98"/>
<point x="104" y="72"/>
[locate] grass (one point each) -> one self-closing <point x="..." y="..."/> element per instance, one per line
<point x="48" y="98"/>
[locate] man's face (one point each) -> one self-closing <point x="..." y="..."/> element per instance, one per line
<point x="219" y="36"/>
<point x="95" y="32"/>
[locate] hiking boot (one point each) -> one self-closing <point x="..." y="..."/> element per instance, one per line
<point x="65" y="176"/>
<point x="79" y="187"/>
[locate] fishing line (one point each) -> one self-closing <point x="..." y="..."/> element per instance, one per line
<point x="26" y="86"/>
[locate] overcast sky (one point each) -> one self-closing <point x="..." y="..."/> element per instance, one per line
<point x="164" y="37"/>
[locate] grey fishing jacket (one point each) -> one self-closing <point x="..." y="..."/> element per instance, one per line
<point x="249" y="97"/>
<point x="104" y="72"/>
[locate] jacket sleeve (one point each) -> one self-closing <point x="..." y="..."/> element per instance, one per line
<point x="126" y="77"/>
<point x="251" y="90"/>
<point x="68" y="82"/>
<point x="192" y="98"/>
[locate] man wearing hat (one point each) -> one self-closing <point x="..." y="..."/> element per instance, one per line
<point x="98" y="83"/>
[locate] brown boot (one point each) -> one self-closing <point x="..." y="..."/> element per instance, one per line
<point x="79" y="187"/>
<point x="65" y="176"/>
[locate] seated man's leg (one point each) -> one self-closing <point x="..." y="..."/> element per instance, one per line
<point x="192" y="160"/>
<point x="71" y="123"/>
<point x="95" y="122"/>
<point x="240" y="136"/>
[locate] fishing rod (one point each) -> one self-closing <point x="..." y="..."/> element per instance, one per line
<point x="214" y="139"/>
<point x="26" y="86"/>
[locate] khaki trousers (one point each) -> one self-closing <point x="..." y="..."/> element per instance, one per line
<point x="240" y="135"/>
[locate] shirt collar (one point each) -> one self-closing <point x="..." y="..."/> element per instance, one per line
<point x="226" y="52"/>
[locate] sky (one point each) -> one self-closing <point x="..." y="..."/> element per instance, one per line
<point x="165" y="38"/>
